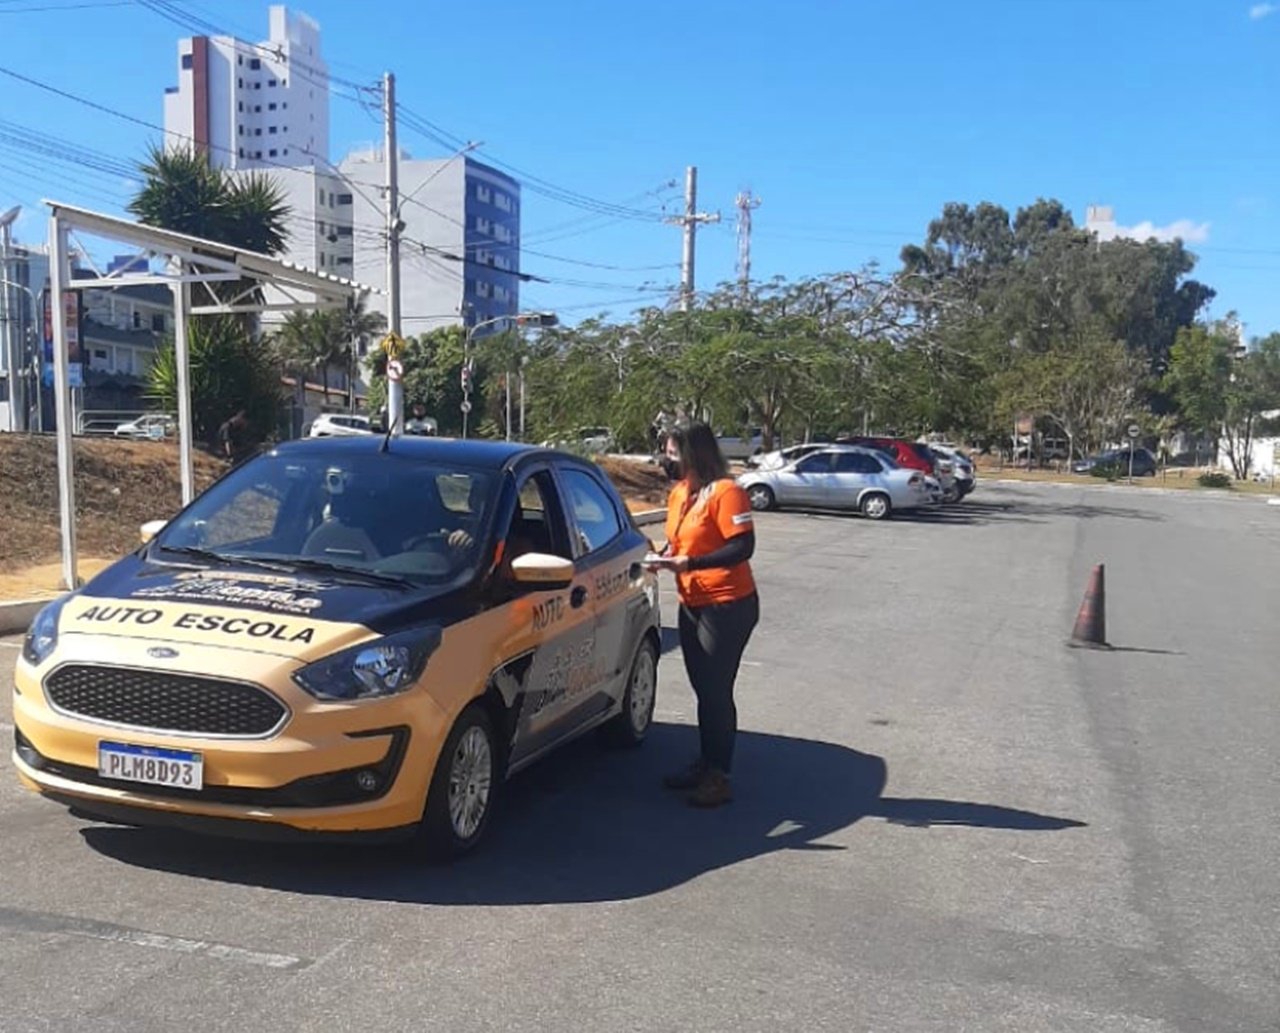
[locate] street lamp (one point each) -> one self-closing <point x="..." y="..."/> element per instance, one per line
<point x="522" y="319"/>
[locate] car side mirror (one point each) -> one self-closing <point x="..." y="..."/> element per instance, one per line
<point x="150" y="529"/>
<point x="542" y="570"/>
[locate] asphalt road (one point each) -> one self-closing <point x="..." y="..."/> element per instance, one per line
<point x="946" y="820"/>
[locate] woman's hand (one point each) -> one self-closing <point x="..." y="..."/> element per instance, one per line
<point x="679" y="564"/>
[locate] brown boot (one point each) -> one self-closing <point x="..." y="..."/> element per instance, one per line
<point x="712" y="791"/>
<point x="686" y="778"/>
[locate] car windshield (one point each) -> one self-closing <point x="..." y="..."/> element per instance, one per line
<point x="357" y="515"/>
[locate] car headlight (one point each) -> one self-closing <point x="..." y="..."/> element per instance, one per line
<point x="42" y="636"/>
<point x="373" y="669"/>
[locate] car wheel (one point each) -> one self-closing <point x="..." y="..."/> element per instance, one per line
<point x="761" y="497"/>
<point x="464" y="788"/>
<point x="631" y="726"/>
<point x="875" y="505"/>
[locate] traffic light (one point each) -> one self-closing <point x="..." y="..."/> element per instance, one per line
<point x="466" y="377"/>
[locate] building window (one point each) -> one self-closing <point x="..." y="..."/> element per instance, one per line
<point x="257" y="108"/>
<point x="255" y="64"/>
<point x="483" y="225"/>
<point x="258" y="131"/>
<point x="271" y="107"/>
<point x="342" y="260"/>
<point x="239" y="59"/>
<point x="286" y="151"/>
<point x="242" y="152"/>
<point x="240" y="130"/>
<point x="502" y="201"/>
<point x="257" y="86"/>
<point x="240" y="83"/>
<point x="344" y="199"/>
<point x="273" y="153"/>
<point x="257" y="154"/>
<point x="137" y="320"/>
<point x="284" y="104"/>
<point x="186" y="61"/>
<point x="272" y="131"/>
<point x="283" y="82"/>
<point x="482" y="192"/>
<point x="157" y="322"/>
<point x="322" y="259"/>
<point x="271" y="82"/>
<point x="482" y="289"/>
<point x="240" y="106"/>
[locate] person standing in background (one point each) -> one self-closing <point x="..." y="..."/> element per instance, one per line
<point x="710" y="541"/>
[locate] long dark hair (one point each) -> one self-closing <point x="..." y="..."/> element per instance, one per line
<point x="700" y="454"/>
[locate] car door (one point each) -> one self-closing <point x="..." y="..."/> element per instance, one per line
<point x="854" y="472"/>
<point x="804" y="483"/>
<point x="609" y="553"/>
<point x="549" y="634"/>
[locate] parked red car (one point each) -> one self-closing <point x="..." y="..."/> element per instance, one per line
<point x="909" y="454"/>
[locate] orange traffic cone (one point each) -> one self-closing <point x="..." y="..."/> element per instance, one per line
<point x="1090" y="631"/>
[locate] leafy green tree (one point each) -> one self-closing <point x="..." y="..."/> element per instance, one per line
<point x="228" y="371"/>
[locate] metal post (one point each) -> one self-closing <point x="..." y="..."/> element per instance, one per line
<point x="507" y="378"/>
<point x="524" y="360"/>
<point x="7" y="336"/>
<point x="1130" y="458"/>
<point x="391" y="158"/>
<point x="690" y="229"/>
<point x="181" y="354"/>
<point x="59" y="277"/>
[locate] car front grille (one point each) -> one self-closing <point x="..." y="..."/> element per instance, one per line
<point x="164" y="702"/>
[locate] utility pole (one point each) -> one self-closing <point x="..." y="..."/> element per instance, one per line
<point x="10" y="338"/>
<point x="689" y="221"/>
<point x="745" y="202"/>
<point x="391" y="159"/>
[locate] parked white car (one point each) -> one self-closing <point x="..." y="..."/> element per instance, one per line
<point x="966" y="476"/>
<point x="781" y="457"/>
<point x="339" y="425"/>
<point x="151" y="426"/>
<point x="735" y="446"/>
<point x="843" y="477"/>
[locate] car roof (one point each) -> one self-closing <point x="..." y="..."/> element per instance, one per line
<point x="492" y="455"/>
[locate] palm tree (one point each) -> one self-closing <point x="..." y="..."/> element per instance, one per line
<point x="305" y="343"/>
<point x="357" y="326"/>
<point x="181" y="191"/>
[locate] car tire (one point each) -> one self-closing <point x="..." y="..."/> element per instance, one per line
<point x="632" y="725"/>
<point x="464" y="788"/>
<point x="875" y="505"/>
<point x="761" y="497"/>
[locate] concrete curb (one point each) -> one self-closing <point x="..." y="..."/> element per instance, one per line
<point x="16" y="616"/>
<point x="650" y="516"/>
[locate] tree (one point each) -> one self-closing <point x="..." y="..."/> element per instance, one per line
<point x="228" y="371"/>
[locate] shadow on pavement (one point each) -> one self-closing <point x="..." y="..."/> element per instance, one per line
<point x="589" y="825"/>
<point x="670" y="640"/>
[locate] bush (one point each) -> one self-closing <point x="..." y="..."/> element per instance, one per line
<point x="1107" y="471"/>
<point x="1215" y="479"/>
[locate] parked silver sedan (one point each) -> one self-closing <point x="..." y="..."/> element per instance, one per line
<point x="843" y="477"/>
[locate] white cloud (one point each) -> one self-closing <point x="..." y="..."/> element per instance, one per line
<point x="1262" y="10"/>
<point x="1183" y="229"/>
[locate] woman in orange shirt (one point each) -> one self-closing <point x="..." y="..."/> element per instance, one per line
<point x="710" y="540"/>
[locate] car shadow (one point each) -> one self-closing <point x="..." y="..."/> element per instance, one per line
<point x="670" y="640"/>
<point x="590" y="825"/>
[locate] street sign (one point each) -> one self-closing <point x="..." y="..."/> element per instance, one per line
<point x="395" y="371"/>
<point x="393" y="345"/>
<point x="465" y="407"/>
<point x="1134" y="430"/>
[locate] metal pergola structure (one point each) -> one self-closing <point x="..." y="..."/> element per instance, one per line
<point x="190" y="263"/>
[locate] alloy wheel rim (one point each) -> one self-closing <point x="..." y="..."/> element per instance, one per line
<point x="470" y="782"/>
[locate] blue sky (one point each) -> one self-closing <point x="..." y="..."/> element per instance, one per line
<point x="853" y="121"/>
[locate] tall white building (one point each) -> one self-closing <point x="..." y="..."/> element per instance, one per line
<point x="253" y="105"/>
<point x="460" y="246"/>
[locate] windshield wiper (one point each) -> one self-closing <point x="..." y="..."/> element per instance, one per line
<point x="310" y="563"/>
<point x="223" y="558"/>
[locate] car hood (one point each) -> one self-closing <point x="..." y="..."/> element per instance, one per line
<point x="296" y="616"/>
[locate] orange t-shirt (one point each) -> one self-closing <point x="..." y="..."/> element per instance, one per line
<point x="701" y="525"/>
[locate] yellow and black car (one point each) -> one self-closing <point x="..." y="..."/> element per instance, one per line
<point x="346" y="635"/>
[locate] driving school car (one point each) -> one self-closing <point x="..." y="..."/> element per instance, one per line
<point x="346" y="635"/>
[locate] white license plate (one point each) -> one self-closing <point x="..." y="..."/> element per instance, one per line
<point x="150" y="764"/>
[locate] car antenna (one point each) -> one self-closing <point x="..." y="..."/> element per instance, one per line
<point x="387" y="440"/>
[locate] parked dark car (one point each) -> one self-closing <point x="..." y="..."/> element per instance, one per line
<point x="1144" y="463"/>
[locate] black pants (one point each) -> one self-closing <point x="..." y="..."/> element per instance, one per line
<point x="712" y="639"/>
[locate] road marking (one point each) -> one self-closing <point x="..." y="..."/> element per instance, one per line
<point x="46" y="922"/>
<point x="11" y="645"/>
<point x="5" y="726"/>
<point x="751" y="663"/>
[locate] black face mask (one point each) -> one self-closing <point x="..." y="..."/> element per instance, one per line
<point x="673" y="468"/>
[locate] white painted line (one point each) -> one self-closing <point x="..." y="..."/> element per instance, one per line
<point x="5" y="726"/>
<point x="48" y="922"/>
<point x="11" y="645"/>
<point x="752" y="663"/>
